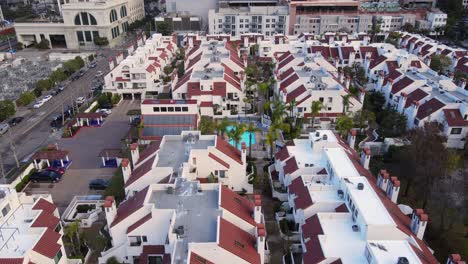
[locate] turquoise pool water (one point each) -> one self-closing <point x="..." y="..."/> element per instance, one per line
<point x="245" y="138"/>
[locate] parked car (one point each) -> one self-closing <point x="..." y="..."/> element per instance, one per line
<point x="75" y="77"/>
<point x="106" y="106"/>
<point x="47" y="98"/>
<point x="81" y="72"/>
<point x="38" y="104"/>
<point x="61" y="88"/>
<point x="103" y="111"/>
<point x="45" y="176"/>
<point x="92" y="65"/>
<point x="136" y="121"/>
<point x="56" y="121"/>
<point x="99" y="74"/>
<point x="16" y="120"/>
<point x="4" y="128"/>
<point x="80" y="100"/>
<point x="60" y="171"/>
<point x="98" y="184"/>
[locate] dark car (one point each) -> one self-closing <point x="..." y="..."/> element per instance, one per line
<point x="98" y="184"/>
<point x="45" y="176"/>
<point x="16" y="120"/>
<point x="92" y="65"/>
<point x="106" y="106"/>
<point x="56" y="121"/>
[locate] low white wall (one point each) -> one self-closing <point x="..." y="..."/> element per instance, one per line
<point x="91" y="107"/>
<point x="25" y="172"/>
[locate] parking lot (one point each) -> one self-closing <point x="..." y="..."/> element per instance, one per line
<point x="84" y="149"/>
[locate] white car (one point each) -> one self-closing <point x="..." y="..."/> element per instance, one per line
<point x="38" y="104"/>
<point x="104" y="111"/>
<point x="99" y="74"/>
<point x="47" y="98"/>
<point x="80" y="100"/>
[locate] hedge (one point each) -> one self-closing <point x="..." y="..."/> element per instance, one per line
<point x="20" y="186"/>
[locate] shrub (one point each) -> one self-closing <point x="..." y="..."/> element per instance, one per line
<point x="25" y="98"/>
<point x="115" y="99"/>
<point x="116" y="186"/>
<point x="44" y="44"/>
<point x="20" y="186"/>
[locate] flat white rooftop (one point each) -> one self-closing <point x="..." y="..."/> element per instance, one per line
<point x="175" y="150"/>
<point x="388" y="252"/>
<point x="303" y="154"/>
<point x="369" y="205"/>
<point x="342" y="166"/>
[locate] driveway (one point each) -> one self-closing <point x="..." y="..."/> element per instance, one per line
<point x="84" y="149"/>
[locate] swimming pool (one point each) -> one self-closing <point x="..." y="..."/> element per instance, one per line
<point x="245" y="138"/>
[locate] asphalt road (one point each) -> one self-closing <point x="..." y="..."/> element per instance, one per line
<point x="35" y="131"/>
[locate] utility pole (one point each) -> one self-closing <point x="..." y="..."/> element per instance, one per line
<point x="1" y="168"/>
<point x="63" y="115"/>
<point x="13" y="149"/>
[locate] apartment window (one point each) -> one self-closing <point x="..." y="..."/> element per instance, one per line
<point x="221" y="173"/>
<point x="79" y="35"/>
<point x="145" y="239"/>
<point x="177" y="109"/>
<point x="456" y="131"/>
<point x="155" y="109"/>
<point x="329" y="108"/>
<point x="267" y="26"/>
<point x="184" y="109"/>
<point x="241" y="26"/>
<point x="6" y="209"/>
<point x="170" y="109"/>
<point x="241" y="20"/>
<point x="95" y="34"/>
<point x="58" y="256"/>
<point x="88" y="36"/>
<point x="267" y="20"/>
<point x="135" y="241"/>
<point x="330" y="99"/>
<point x="194" y="161"/>
<point x="163" y="109"/>
<point x="321" y="99"/>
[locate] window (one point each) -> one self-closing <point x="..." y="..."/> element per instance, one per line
<point x="222" y="174"/>
<point x="330" y="99"/>
<point x="170" y="109"/>
<point x="58" y="228"/>
<point x="177" y="109"/>
<point x="84" y="18"/>
<point x="79" y="35"/>
<point x="77" y="20"/>
<point x="58" y="256"/>
<point x="155" y="109"/>
<point x="321" y="99"/>
<point x="123" y="11"/>
<point x="456" y="131"/>
<point x="113" y="15"/>
<point x="88" y="36"/>
<point x="194" y="161"/>
<point x="163" y="109"/>
<point x="6" y="209"/>
<point x="95" y="34"/>
<point x="145" y="239"/>
<point x="135" y="241"/>
<point x="184" y="109"/>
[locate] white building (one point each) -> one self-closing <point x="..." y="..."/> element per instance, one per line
<point x="437" y="19"/>
<point x="30" y="228"/>
<point x="140" y="74"/>
<point x="266" y="20"/>
<point x="191" y="156"/>
<point x="81" y="22"/>
<point x="186" y="222"/>
<point x="344" y="214"/>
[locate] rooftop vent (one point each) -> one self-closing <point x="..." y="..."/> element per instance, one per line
<point x="360" y="186"/>
<point x="355" y="228"/>
<point x="403" y="260"/>
<point x="317" y="134"/>
<point x="324" y="137"/>
<point x="340" y="194"/>
<point x="2" y="194"/>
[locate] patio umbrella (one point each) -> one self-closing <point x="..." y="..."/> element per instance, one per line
<point x="406" y="209"/>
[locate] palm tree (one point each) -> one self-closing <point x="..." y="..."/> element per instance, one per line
<point x="270" y="138"/>
<point x="315" y="110"/>
<point x="251" y="128"/>
<point x="235" y="134"/>
<point x="223" y="125"/>
<point x="345" y="103"/>
<point x="279" y="111"/>
<point x="343" y="125"/>
<point x="264" y="88"/>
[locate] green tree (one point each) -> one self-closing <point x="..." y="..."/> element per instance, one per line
<point x="113" y="260"/>
<point x="251" y="128"/>
<point x="206" y="126"/>
<point x="222" y="126"/>
<point x="163" y="28"/>
<point x="25" y="98"/>
<point x="391" y="123"/>
<point x="180" y="70"/>
<point x="58" y="76"/>
<point x="72" y="232"/>
<point x="101" y="41"/>
<point x="264" y="89"/>
<point x="43" y="44"/>
<point x="363" y="118"/>
<point x="44" y="84"/>
<point x="7" y="109"/>
<point x="315" y="108"/>
<point x="440" y="63"/>
<point x="344" y="124"/>
<point x="376" y="28"/>
<point x="71" y="66"/>
<point x="104" y="98"/>
<point x="235" y="133"/>
<point x="79" y="61"/>
<point x="180" y="55"/>
<point x="345" y="103"/>
<point x="168" y="70"/>
<point x="408" y="27"/>
<point x="91" y="57"/>
<point x="116" y="99"/>
<point x="270" y="139"/>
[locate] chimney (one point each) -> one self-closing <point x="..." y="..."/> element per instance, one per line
<point x="110" y="210"/>
<point x="135" y="153"/>
<point x="411" y="48"/>
<point x="352" y="58"/>
<point x="428" y="60"/>
<point x="258" y="208"/>
<point x="347" y="81"/>
<point x="244" y="152"/>
<point x="380" y="79"/>
<point x="190" y="41"/>
<point x="382" y="180"/>
<point x="438" y="50"/>
<point x="246" y="41"/>
<point x="387" y="89"/>
<point x="402" y="102"/>
<point x="414" y="112"/>
<point x="362" y="95"/>
<point x="365" y="158"/>
<point x="419" y="222"/>
<point x="455" y="259"/>
<point x="126" y="170"/>
<point x="352" y="138"/>
<point x="331" y="40"/>
<point x="260" y="235"/>
<point x="451" y="75"/>
<point x="393" y="189"/>
<point x="463" y="83"/>
<point x="341" y="75"/>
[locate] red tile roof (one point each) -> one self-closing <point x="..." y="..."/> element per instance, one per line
<point x="401" y="84"/>
<point x="230" y="73"/>
<point x="342" y="208"/>
<point x="194" y="60"/>
<point x="290" y="166"/>
<point x="334" y="52"/>
<point x="416" y="64"/>
<point x="346" y="52"/>
<point x="285" y="62"/>
<point x="219" y="160"/>
<point x="237" y="205"/>
<point x="47" y="244"/>
<point x="182" y="80"/>
<point x="303" y="100"/>
<point x="235" y="58"/>
<point x="89" y="115"/>
<point x="130" y="206"/>
<point x="197" y="259"/>
<point x="50" y="154"/>
<point x="429" y="108"/>
<point x="303" y="199"/>
<point x="295" y="93"/>
<point x="11" y="260"/>
<point x="377" y="61"/>
<point x="154" y="250"/>
<point x="192" y="50"/>
<point x="230" y="80"/>
<point x="392" y="65"/>
<point x="44" y="205"/>
<point x="312" y="227"/>
<point x="283" y="154"/>
<point x="373" y="52"/>
<point x="140" y="171"/>
<point x="121" y="79"/>
<point x="286" y="73"/>
<point x="149" y="150"/>
<point x="314" y="253"/>
<point x="324" y="50"/>
<point x="150" y="68"/>
<point x="415" y="95"/>
<point x="206" y="104"/>
<point x="284" y="56"/>
<point x="285" y="83"/>
<point x="454" y="118"/>
<point x="238" y="242"/>
<point x="393" y="75"/>
<point x="226" y="148"/>
<point x="138" y="223"/>
<point x="46" y="219"/>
